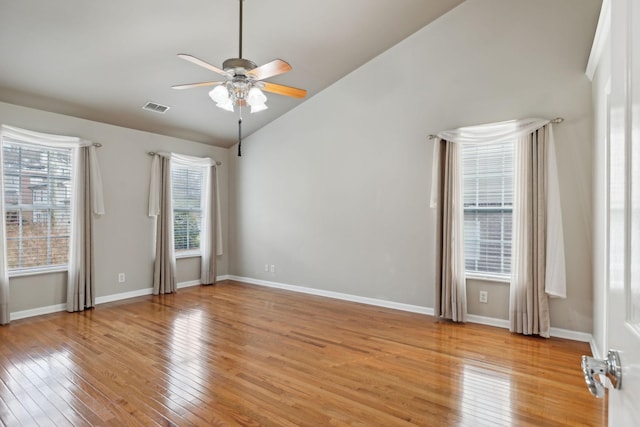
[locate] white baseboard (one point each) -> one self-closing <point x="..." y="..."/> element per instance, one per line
<point x="124" y="295"/>
<point x="197" y="282"/>
<point x="336" y="295"/>
<point x="490" y="321"/>
<point x="571" y="335"/>
<point x="16" y="315"/>
<point x="188" y="284"/>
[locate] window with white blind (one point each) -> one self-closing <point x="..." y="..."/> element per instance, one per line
<point x="186" y="185"/>
<point x="37" y="195"/>
<point x="488" y="206"/>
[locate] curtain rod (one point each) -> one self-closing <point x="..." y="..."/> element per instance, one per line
<point x="557" y="120"/>
<point x="153" y="153"/>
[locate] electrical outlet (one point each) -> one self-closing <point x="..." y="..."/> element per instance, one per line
<point x="266" y="267"/>
<point x="273" y="268"/>
<point x="484" y="297"/>
<point x="121" y="278"/>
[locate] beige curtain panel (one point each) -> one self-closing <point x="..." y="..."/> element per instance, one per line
<point x="451" y="293"/>
<point x="160" y="205"/>
<point x="88" y="201"/>
<point x="529" y="302"/>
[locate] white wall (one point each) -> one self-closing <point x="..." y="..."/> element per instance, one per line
<point x="335" y="193"/>
<point x="601" y="85"/>
<point x="124" y="235"/>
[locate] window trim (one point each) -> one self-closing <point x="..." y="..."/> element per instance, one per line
<point x="34" y="271"/>
<point x="187" y="254"/>
<point x="486" y="277"/>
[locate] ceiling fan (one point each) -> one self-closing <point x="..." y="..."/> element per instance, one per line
<point x="244" y="82"/>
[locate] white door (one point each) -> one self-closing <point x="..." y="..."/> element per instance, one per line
<point x="623" y="292"/>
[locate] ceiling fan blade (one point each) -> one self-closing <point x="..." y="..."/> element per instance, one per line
<point x="203" y="64"/>
<point x="284" y="90"/>
<point x="192" y="85"/>
<point x="270" y="69"/>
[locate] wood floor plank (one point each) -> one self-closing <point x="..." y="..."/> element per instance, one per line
<point x="240" y="355"/>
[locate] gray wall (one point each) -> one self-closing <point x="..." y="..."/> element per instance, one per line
<point x="497" y="305"/>
<point x="124" y="235"/>
<point x="335" y="193"/>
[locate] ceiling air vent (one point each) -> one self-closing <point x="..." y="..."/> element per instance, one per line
<point x="156" y="108"/>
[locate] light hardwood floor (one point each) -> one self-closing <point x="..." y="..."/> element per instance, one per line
<point x="237" y="354"/>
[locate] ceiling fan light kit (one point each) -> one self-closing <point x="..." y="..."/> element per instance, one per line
<point x="229" y="94"/>
<point x="244" y="83"/>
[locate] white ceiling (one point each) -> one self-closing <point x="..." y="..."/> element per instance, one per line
<point x="103" y="60"/>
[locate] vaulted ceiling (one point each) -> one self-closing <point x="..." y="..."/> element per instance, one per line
<point x="103" y="61"/>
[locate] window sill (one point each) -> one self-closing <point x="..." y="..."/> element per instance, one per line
<point x="188" y="255"/>
<point x="488" y="278"/>
<point x="37" y="271"/>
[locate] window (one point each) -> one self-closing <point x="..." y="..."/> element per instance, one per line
<point x="37" y="195"/>
<point x="186" y="186"/>
<point x="488" y="206"/>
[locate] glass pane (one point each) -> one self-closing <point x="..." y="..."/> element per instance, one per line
<point x="488" y="202"/>
<point x="187" y="198"/>
<point x="37" y="191"/>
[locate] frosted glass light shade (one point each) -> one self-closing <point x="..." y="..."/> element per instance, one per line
<point x="259" y="107"/>
<point x="226" y="105"/>
<point x="219" y="94"/>
<point x="256" y="97"/>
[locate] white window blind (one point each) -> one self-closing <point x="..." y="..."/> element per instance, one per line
<point x="187" y="207"/>
<point x="37" y="194"/>
<point x="488" y="205"/>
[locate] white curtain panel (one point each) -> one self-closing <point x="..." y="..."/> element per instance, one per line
<point x="5" y="315"/>
<point x="555" y="279"/>
<point x="493" y="132"/>
<point x="43" y="139"/>
<point x="208" y="238"/>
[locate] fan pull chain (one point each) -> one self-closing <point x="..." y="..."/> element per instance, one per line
<point x="240" y="137"/>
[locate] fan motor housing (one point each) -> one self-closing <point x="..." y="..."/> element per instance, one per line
<point x="238" y="66"/>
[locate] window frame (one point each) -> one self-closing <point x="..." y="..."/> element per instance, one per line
<point x="34" y="208"/>
<point x="503" y="208"/>
<point x="190" y="252"/>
